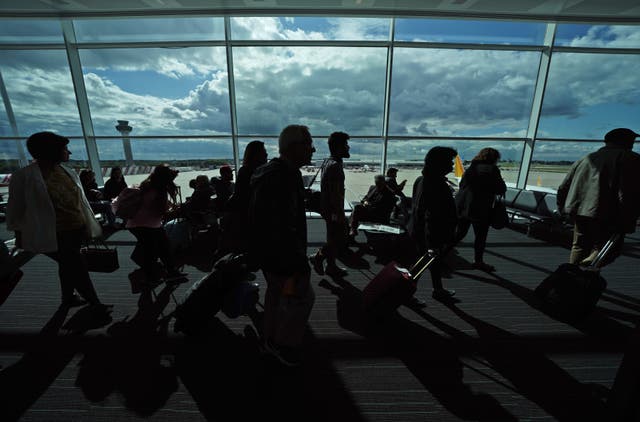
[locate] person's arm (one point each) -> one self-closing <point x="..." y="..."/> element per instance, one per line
<point x="563" y="189"/>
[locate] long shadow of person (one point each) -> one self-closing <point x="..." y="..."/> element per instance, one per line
<point x="131" y="360"/>
<point x="532" y="374"/>
<point x="228" y="375"/>
<point x="597" y="325"/>
<point x="431" y="358"/>
<point x="25" y="381"/>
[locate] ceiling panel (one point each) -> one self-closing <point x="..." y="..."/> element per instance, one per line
<point x="621" y="11"/>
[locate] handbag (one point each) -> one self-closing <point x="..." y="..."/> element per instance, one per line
<point x="499" y="217"/>
<point x="99" y="257"/>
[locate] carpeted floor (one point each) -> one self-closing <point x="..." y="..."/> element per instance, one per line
<point x="492" y="356"/>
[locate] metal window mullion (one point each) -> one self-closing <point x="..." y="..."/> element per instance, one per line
<point x="232" y="93"/>
<point x="387" y="97"/>
<point x="22" y="157"/>
<point x="536" y="107"/>
<point x="81" y="98"/>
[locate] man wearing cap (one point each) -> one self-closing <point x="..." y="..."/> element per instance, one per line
<point x="601" y="193"/>
<point x="278" y="233"/>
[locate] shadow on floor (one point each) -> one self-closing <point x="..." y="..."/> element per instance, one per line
<point x="431" y="358"/>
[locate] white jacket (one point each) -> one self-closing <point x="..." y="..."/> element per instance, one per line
<point x="30" y="211"/>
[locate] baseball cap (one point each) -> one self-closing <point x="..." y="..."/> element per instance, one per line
<point x="620" y="134"/>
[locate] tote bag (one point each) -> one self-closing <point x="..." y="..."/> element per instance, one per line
<point x="499" y="217"/>
<point x="99" y="257"/>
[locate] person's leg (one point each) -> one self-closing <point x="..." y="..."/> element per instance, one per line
<point x="293" y="313"/>
<point x="318" y="258"/>
<point x="480" y="230"/>
<point x="462" y="229"/>
<point x="147" y="256"/>
<point x="271" y="301"/>
<point x="356" y="216"/>
<point x="583" y="239"/>
<point x="335" y="244"/>
<point x="72" y="268"/>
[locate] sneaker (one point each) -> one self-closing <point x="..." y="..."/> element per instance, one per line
<point x="483" y="267"/>
<point x="73" y="301"/>
<point x="442" y="294"/>
<point x="335" y="272"/>
<point x="316" y="263"/>
<point x="288" y="356"/>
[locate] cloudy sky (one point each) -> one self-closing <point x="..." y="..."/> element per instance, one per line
<point x="435" y="92"/>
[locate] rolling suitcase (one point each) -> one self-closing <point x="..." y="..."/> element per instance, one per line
<point x="571" y="291"/>
<point x="394" y="286"/>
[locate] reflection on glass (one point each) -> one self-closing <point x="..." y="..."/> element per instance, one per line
<point x="466" y="31"/>
<point x="40" y="90"/>
<point x="18" y="31"/>
<point x="589" y="94"/>
<point x="552" y="159"/>
<point x="309" y="28"/>
<point x="325" y="88"/>
<point x="149" y="29"/>
<point x="607" y="36"/>
<point x="159" y="91"/>
<point x="443" y="92"/>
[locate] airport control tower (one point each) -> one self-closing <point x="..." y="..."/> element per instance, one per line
<point x="124" y="129"/>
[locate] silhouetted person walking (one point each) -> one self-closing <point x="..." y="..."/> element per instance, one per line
<point x="332" y="207"/>
<point x="480" y="184"/>
<point x="433" y="218"/>
<point x="601" y="193"/>
<point x="279" y="244"/>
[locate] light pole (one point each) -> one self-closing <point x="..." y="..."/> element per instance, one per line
<point x="124" y="129"/>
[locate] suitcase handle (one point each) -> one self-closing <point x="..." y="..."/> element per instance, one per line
<point x="606" y="248"/>
<point x="419" y="267"/>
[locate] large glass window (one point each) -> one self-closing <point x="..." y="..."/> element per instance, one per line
<point x="149" y="29"/>
<point x="589" y="94"/>
<point x="309" y="28"/>
<point x="159" y="91"/>
<point x="325" y="88"/>
<point x="608" y="36"/>
<point x="408" y="156"/>
<point x="28" y="31"/>
<point x="148" y="151"/>
<point x="442" y="92"/>
<point x="466" y="31"/>
<point x="40" y="90"/>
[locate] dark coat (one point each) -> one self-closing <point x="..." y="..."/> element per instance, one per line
<point x="277" y="220"/>
<point x="112" y="188"/>
<point x="433" y="217"/>
<point x="479" y="186"/>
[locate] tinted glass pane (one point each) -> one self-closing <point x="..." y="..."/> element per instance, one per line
<point x="589" y="94"/>
<point x="325" y="88"/>
<point x="465" y="31"/>
<point x="159" y="91"/>
<point x="408" y="156"/>
<point x="309" y="28"/>
<point x="18" y="31"/>
<point x="618" y="36"/>
<point x="443" y="92"/>
<point x="180" y="152"/>
<point x="9" y="159"/>
<point x="552" y="160"/>
<point x="40" y="91"/>
<point x="152" y="29"/>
